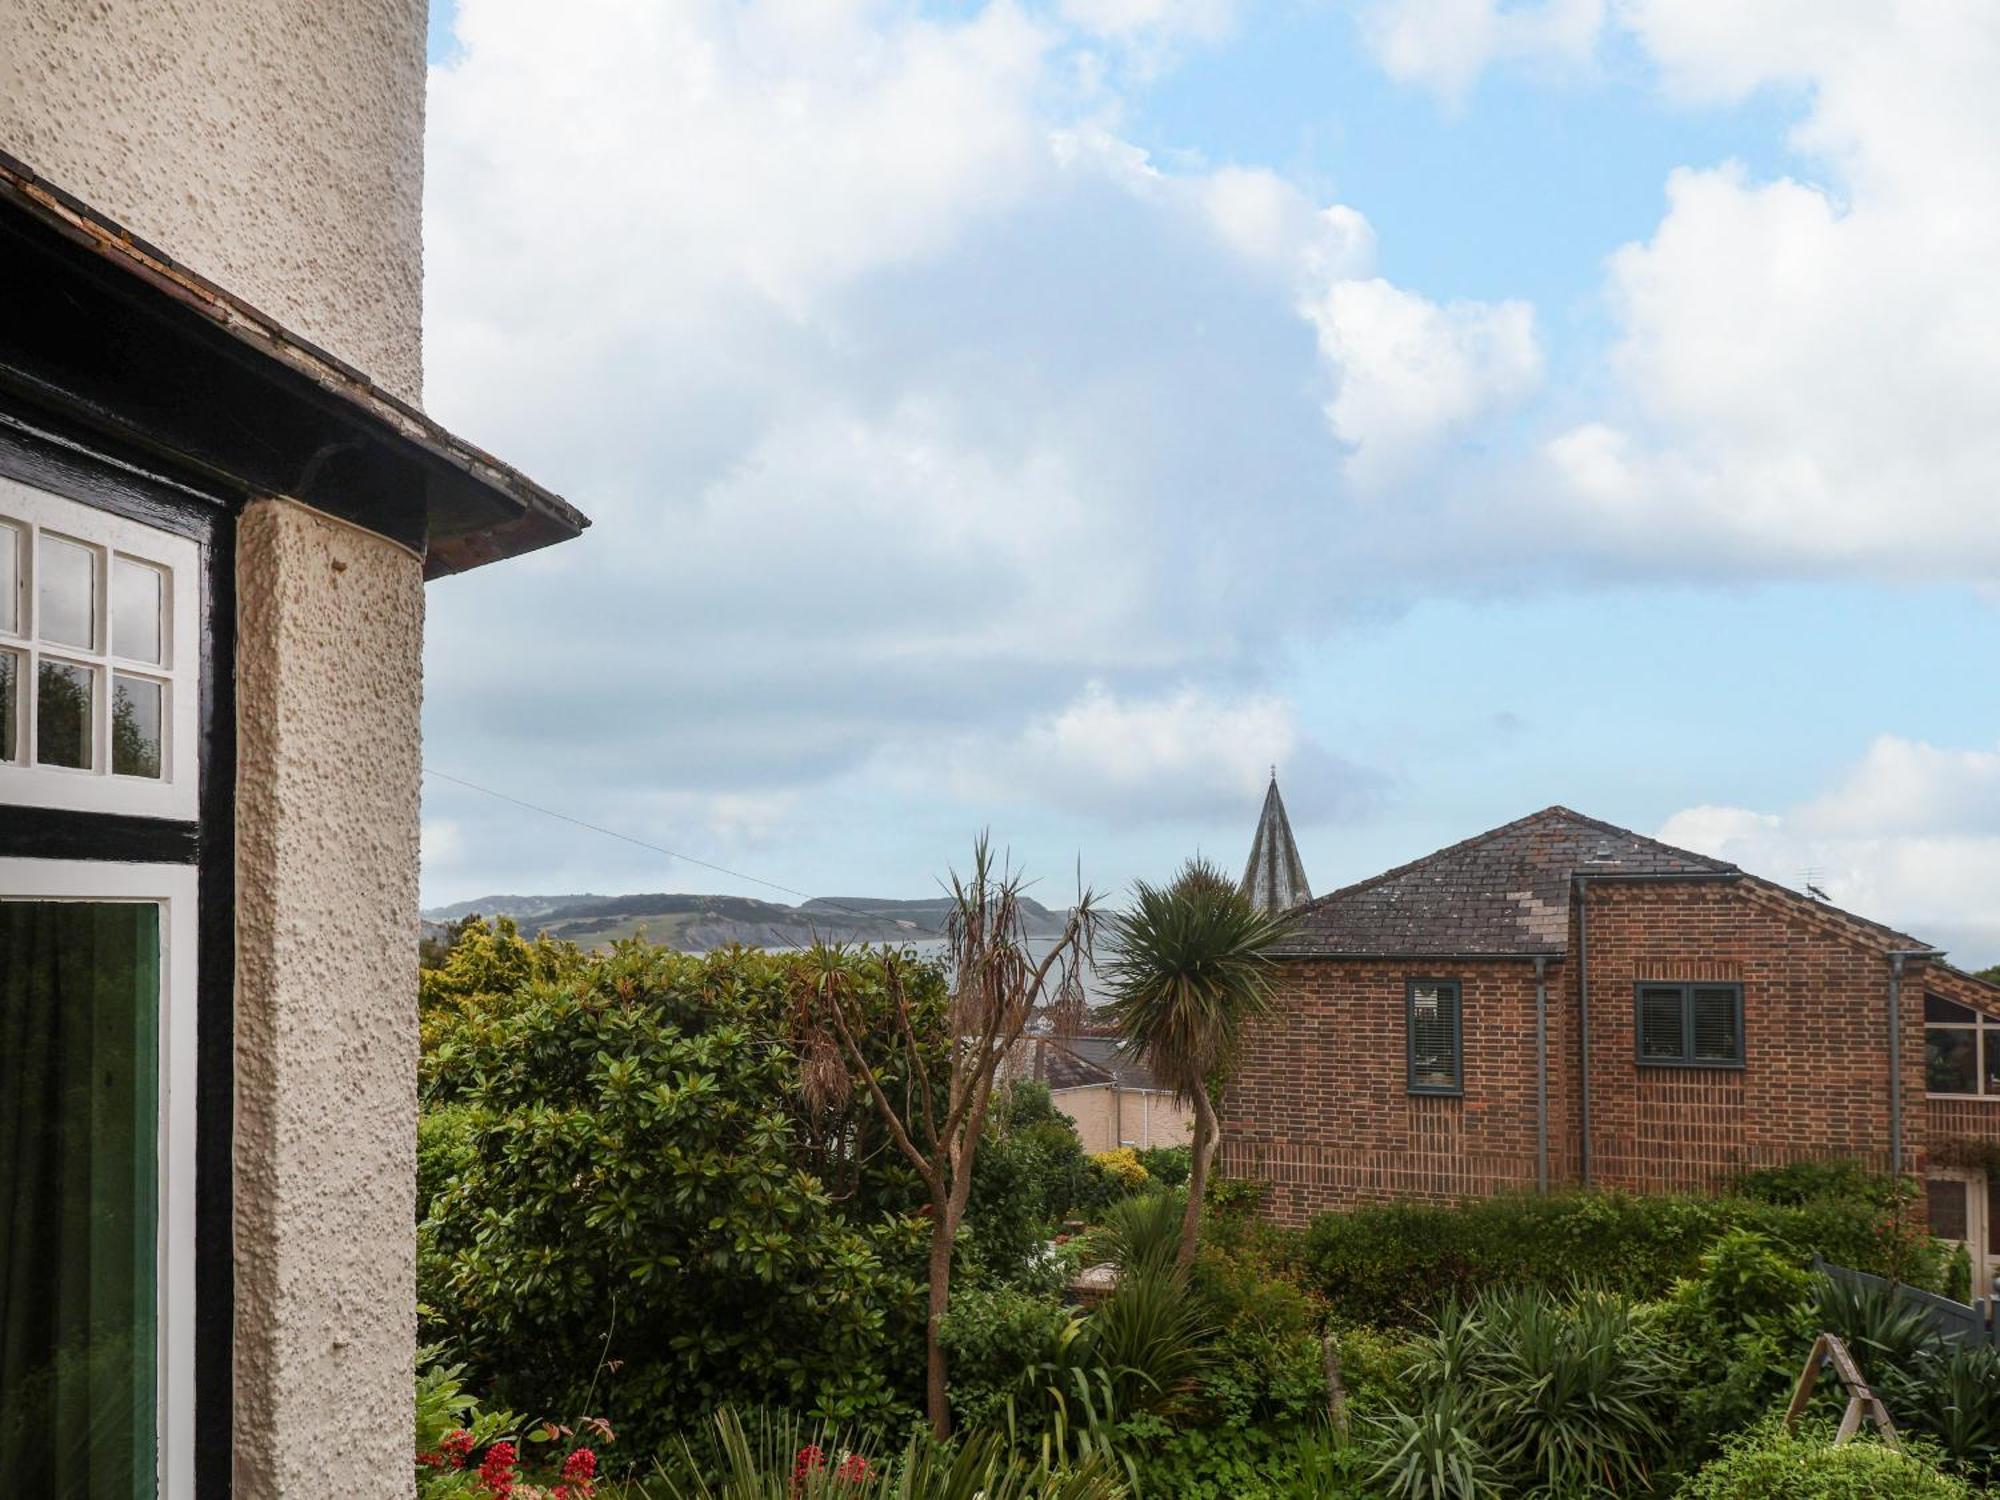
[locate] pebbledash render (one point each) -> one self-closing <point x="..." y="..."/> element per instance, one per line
<point x="1562" y="1002"/>
<point x="219" y="505"/>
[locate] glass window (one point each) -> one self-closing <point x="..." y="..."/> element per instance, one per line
<point x="1690" y="1025"/>
<point x="10" y="580"/>
<point x="79" y="1198"/>
<point x="1660" y="1021"/>
<point x="135" y="725"/>
<point x="1433" y="1036"/>
<point x="137" y="600"/>
<point x="10" y="714"/>
<point x="1961" y="1049"/>
<point x="68" y="592"/>
<point x="102" y="675"/>
<point x="63" y="715"/>
<point x="1948" y="1210"/>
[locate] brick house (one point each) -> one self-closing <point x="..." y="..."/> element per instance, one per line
<point x="1560" y="1002"/>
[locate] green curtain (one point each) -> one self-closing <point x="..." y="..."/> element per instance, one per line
<point x="79" y="1199"/>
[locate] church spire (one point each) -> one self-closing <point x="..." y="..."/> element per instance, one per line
<point x="1275" y="878"/>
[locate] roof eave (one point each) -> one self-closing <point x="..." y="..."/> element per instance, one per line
<point x="498" y="511"/>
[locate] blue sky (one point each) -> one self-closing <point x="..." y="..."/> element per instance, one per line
<point x="1045" y="417"/>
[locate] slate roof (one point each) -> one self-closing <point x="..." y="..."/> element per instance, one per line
<point x="1275" y="877"/>
<point x="1505" y="892"/>
<point x="1086" y="1061"/>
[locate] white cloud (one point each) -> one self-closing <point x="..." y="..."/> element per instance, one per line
<point x="1187" y="753"/>
<point x="1408" y="370"/>
<point x="1910" y="836"/>
<point x="1445" y="45"/>
<point x="1807" y="368"/>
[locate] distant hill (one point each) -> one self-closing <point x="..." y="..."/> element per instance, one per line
<point x="696" y="924"/>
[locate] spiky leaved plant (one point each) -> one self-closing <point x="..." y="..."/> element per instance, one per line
<point x="1191" y="965"/>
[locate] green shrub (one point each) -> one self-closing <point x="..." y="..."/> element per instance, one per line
<point x="1149" y="1337"/>
<point x="632" y="1211"/>
<point x="1541" y="1394"/>
<point x="1001" y="1343"/>
<point x="1742" y="1325"/>
<point x="1402" y="1261"/>
<point x="1801" y="1182"/>
<point x="1771" y="1464"/>
<point x="1264" y="1462"/>
<point x="1142" y="1234"/>
<point x="1169" y="1166"/>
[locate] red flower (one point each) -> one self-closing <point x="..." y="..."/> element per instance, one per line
<point x="853" y="1469"/>
<point x="580" y="1467"/>
<point x="497" y="1472"/>
<point x="457" y="1447"/>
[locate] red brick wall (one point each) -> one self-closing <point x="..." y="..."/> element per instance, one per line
<point x="1319" y="1106"/>
<point x="1815" y="1027"/>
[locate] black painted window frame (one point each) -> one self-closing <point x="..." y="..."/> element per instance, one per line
<point x="1685" y="1058"/>
<point x="48" y="451"/>
<point x="1456" y="1089"/>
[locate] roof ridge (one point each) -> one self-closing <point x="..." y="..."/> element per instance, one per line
<point x="1719" y="865"/>
<point x="1427" y="859"/>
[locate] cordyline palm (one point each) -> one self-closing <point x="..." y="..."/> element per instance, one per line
<point x="1191" y="965"/>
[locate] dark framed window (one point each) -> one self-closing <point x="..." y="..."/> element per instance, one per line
<point x="1434" y="1036"/>
<point x="1689" y="1025"/>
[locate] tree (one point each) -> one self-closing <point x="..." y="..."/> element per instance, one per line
<point x="1991" y="975"/>
<point x="1190" y="965"/>
<point x="996" y="985"/>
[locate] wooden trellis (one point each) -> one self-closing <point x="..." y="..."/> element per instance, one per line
<point x="1862" y="1402"/>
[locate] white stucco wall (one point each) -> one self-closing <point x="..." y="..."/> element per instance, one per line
<point x="330" y="698"/>
<point x="275" y="146"/>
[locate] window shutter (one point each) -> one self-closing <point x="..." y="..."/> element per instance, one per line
<point x="1715" y="1034"/>
<point x="1660" y="1022"/>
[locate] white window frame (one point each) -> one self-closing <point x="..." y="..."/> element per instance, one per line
<point x="1985" y="1031"/>
<point x="175" y="792"/>
<point x="173" y="889"/>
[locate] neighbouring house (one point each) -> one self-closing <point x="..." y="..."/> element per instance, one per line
<point x="1560" y="1001"/>
<point x="219" y="505"/>
<point x="1110" y="1096"/>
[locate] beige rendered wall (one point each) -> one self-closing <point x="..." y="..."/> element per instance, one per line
<point x="1107" y="1118"/>
<point x="275" y="146"/>
<point x="329" y="688"/>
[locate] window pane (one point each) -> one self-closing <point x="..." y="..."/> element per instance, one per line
<point x="62" y="715"/>
<point x="1433" y="1036"/>
<point x="1950" y="1060"/>
<point x="1947" y="1200"/>
<point x="79" y="1195"/>
<point x="10" y="713"/>
<point x="1715" y="1038"/>
<point x="135" y="609"/>
<point x="68" y="591"/>
<point x="1937" y="1008"/>
<point x="1990" y="1041"/>
<point x="135" y="725"/>
<point x="1660" y="1021"/>
<point x="10" y="579"/>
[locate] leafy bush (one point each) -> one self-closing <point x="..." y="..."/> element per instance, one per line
<point x="1771" y="1464"/>
<point x="1263" y="1462"/>
<point x="1402" y="1261"/>
<point x="464" y="1449"/>
<point x="1148" y="1337"/>
<point x="1002" y="1342"/>
<point x="1141" y="1234"/>
<point x="1123" y="1166"/>
<point x="633" y="1201"/>
<point x="1742" y="1325"/>
<point x="1169" y="1166"/>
